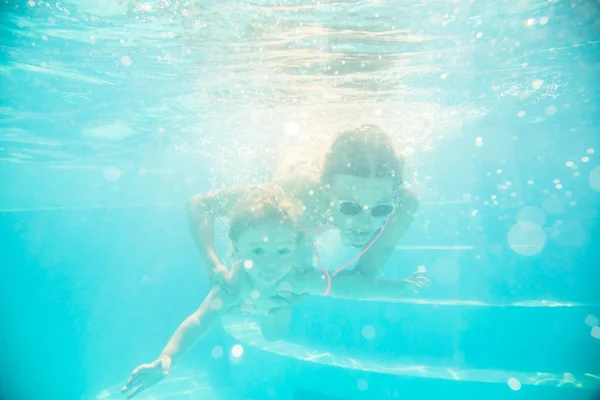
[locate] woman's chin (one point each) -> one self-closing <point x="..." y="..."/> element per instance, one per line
<point x="356" y="240"/>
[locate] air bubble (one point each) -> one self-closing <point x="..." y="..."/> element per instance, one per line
<point x="292" y="129"/>
<point x="255" y="294"/>
<point x="595" y="332"/>
<point x="111" y="174"/>
<point x="237" y="350"/>
<point x="125" y="60"/>
<point x="479" y="142"/>
<point x="526" y="238"/>
<point x="248" y="264"/>
<point x="551" y="110"/>
<point x="521" y="114"/>
<point x="594" y="178"/>
<point x="591" y="320"/>
<point x="543" y="20"/>
<point x="368" y="332"/>
<point x="585" y="159"/>
<point x="217" y="352"/>
<point x="514" y="384"/>
<point x="537" y="84"/>
<point x="216" y="304"/>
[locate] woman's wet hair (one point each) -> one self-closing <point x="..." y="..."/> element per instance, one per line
<point x="261" y="205"/>
<point x="365" y="152"/>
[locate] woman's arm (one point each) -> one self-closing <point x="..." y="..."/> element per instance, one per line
<point x="370" y="263"/>
<point x="358" y="287"/>
<point x="202" y="210"/>
<point x="363" y="288"/>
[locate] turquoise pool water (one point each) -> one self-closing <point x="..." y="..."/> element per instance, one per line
<point x="113" y="113"/>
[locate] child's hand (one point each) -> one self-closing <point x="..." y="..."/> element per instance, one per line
<point x="291" y="298"/>
<point x="146" y="375"/>
<point x="417" y="280"/>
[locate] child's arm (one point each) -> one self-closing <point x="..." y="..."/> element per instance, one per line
<point x="199" y="323"/>
<point x="185" y="337"/>
<point x="358" y="287"/>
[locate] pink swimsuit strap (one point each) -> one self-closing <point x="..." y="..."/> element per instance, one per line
<point x="356" y="257"/>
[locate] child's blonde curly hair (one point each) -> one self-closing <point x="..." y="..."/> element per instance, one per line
<point x="263" y="204"/>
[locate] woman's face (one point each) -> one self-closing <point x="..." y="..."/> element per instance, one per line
<point x="360" y="206"/>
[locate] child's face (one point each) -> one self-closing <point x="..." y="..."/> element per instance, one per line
<point x="267" y="251"/>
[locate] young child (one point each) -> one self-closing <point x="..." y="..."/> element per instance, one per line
<point x="269" y="259"/>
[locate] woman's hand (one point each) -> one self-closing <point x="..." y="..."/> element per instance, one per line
<point x="147" y="375"/>
<point x="416" y="281"/>
<point x="220" y="275"/>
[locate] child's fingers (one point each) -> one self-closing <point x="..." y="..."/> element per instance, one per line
<point x="135" y="391"/>
<point x="280" y="301"/>
<point x="130" y="384"/>
<point x="284" y="293"/>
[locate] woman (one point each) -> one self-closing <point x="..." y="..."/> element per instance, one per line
<point x="356" y="188"/>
